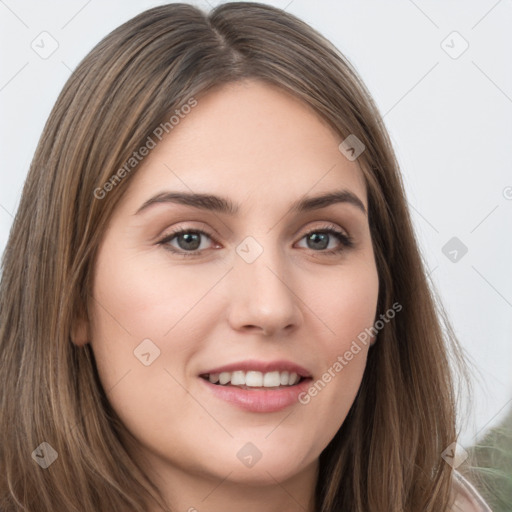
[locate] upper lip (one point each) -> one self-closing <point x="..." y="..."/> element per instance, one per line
<point x="260" y="366"/>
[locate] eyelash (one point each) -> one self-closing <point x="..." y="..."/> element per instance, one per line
<point x="345" y="240"/>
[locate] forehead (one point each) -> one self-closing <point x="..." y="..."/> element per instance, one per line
<point x="253" y="142"/>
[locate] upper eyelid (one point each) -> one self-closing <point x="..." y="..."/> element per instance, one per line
<point x="205" y="230"/>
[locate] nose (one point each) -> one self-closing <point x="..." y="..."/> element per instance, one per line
<point x="262" y="297"/>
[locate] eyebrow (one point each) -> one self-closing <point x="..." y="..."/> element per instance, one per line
<point x="224" y="205"/>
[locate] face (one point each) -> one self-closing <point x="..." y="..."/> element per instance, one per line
<point x="281" y="286"/>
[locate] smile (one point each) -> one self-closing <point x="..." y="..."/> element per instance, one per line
<point x="254" y="379"/>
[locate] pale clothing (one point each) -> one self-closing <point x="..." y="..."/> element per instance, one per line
<point x="467" y="499"/>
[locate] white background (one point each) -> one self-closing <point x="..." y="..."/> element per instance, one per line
<point x="450" y="121"/>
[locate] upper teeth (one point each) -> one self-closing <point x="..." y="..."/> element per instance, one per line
<point x="255" y="379"/>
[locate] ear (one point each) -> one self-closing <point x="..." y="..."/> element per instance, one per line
<point x="80" y="331"/>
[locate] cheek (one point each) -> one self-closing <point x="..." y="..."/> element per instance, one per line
<point x="133" y="302"/>
<point x="350" y="305"/>
<point x="138" y="296"/>
<point x="349" y="308"/>
<point x="138" y="338"/>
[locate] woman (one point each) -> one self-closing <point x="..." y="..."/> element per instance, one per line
<point x="212" y="297"/>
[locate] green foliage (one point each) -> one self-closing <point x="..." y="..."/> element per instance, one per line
<point x="491" y="466"/>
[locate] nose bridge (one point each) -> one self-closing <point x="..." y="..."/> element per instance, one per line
<point x="263" y="292"/>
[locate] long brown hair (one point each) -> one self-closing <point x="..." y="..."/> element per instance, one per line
<point x="387" y="453"/>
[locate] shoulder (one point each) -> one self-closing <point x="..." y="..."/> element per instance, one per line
<point x="467" y="498"/>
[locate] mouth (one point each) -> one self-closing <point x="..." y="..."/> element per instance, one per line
<point x="255" y="380"/>
<point x="257" y="386"/>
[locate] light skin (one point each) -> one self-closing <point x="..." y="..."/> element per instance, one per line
<point x="262" y="149"/>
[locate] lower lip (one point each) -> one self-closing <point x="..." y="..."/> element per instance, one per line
<point x="259" y="400"/>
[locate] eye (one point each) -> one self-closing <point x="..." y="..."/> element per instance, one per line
<point x="318" y="239"/>
<point x="189" y="241"/>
